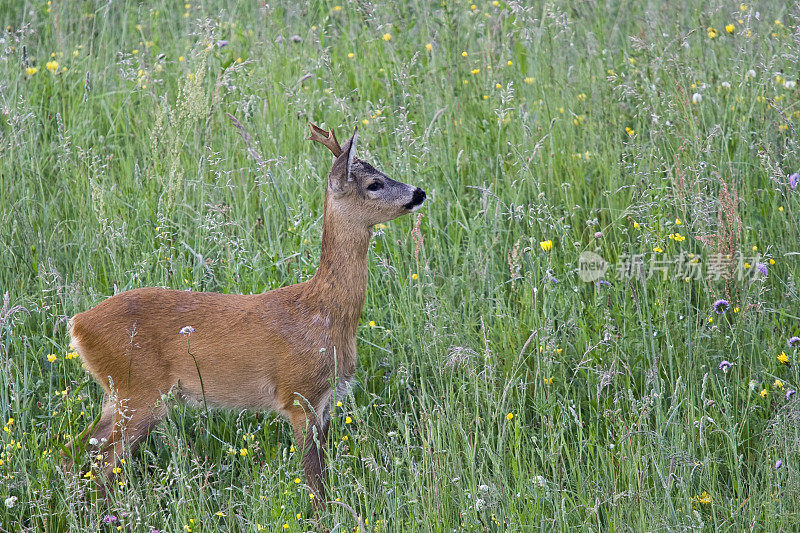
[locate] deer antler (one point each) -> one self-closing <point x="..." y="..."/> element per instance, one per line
<point x="327" y="138"/>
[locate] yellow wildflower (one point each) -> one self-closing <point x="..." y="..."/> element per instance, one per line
<point x="387" y="37"/>
<point x="32" y="70"/>
<point x="52" y="66"/>
<point x="509" y="416"/>
<point x="428" y="47"/>
<point x="783" y="358"/>
<point x="546" y="245"/>
<point x="730" y="28"/>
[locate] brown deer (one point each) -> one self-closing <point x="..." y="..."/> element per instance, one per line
<point x="291" y="350"/>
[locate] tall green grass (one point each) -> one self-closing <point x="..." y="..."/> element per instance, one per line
<point x="496" y="390"/>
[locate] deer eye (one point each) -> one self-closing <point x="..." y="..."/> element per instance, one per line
<point x="375" y="186"/>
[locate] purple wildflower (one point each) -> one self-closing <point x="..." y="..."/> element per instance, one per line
<point x="793" y="179"/>
<point x="761" y="267"/>
<point x="778" y="464"/>
<point x="109" y="519"/>
<point x="790" y="393"/>
<point x="720" y="306"/>
<point x="725" y="365"/>
<point x="794" y="342"/>
<point x="603" y="283"/>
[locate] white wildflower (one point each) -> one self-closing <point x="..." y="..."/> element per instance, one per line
<point x="697" y="98"/>
<point x="789" y="84"/>
<point x="185" y="330"/>
<point x="11" y="501"/>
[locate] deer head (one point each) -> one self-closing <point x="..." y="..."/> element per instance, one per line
<point x="360" y="193"/>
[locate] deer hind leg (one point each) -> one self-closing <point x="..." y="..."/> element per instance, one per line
<point x="92" y="437"/>
<point x="130" y="422"/>
<point x="310" y="435"/>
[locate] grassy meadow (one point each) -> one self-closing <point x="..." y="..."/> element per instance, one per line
<point x="497" y="390"/>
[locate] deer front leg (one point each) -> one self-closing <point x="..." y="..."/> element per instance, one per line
<point x="310" y="435"/>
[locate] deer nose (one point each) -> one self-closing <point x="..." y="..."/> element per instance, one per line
<point x="417" y="199"/>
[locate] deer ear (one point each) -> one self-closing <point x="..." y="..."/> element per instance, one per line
<point x="341" y="172"/>
<point x="350" y="151"/>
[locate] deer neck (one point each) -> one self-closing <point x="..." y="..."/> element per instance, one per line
<point x="340" y="283"/>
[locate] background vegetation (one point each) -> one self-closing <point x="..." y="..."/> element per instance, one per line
<point x="496" y="390"/>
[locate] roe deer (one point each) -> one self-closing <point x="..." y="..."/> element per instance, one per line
<point x="291" y="350"/>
